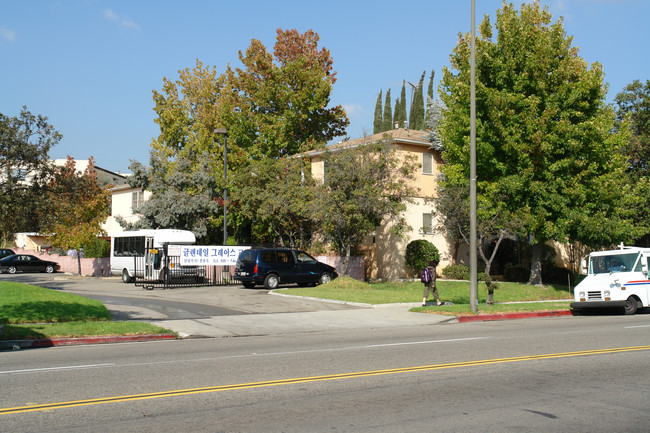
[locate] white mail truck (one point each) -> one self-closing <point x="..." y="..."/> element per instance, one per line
<point x="615" y="278"/>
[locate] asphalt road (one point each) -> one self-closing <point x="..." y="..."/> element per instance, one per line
<point x="563" y="374"/>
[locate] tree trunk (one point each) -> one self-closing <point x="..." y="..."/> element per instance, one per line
<point x="79" y="261"/>
<point x="488" y="264"/>
<point x="345" y="259"/>
<point x="536" y="265"/>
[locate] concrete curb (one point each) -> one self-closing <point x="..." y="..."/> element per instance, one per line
<point x="511" y="316"/>
<point x="51" y="342"/>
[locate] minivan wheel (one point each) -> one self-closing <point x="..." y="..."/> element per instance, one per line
<point x="325" y="278"/>
<point x="271" y="281"/>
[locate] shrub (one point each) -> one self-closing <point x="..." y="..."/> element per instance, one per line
<point x="456" y="272"/>
<point x="516" y="274"/>
<point x="460" y="272"/>
<point x="420" y="252"/>
<point x="97" y="249"/>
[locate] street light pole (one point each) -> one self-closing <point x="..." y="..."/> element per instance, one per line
<point x="224" y="132"/>
<point x="473" y="262"/>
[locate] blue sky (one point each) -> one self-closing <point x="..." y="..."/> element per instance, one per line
<point x="90" y="65"/>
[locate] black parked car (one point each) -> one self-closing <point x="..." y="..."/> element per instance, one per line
<point x="5" y="252"/>
<point x="27" y="263"/>
<point x="273" y="266"/>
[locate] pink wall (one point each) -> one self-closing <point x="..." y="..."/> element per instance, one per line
<point x="89" y="267"/>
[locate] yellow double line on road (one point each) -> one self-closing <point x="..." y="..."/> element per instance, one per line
<point x="124" y="398"/>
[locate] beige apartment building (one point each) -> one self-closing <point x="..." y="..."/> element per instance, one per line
<point x="384" y="252"/>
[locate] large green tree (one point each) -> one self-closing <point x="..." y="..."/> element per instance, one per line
<point x="365" y="186"/>
<point x="544" y="139"/>
<point x="274" y="196"/>
<point x="633" y="110"/>
<point x="279" y="102"/>
<point x="79" y="207"/>
<point x="633" y="104"/>
<point x="25" y="142"/>
<point x="275" y="104"/>
<point x="184" y="195"/>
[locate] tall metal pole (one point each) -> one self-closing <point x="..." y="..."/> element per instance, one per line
<point x="225" y="189"/>
<point x="221" y="131"/>
<point x="473" y="264"/>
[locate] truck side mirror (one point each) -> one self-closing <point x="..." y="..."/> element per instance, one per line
<point x="645" y="262"/>
<point x="583" y="265"/>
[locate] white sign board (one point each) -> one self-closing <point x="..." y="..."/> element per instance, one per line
<point x="210" y="255"/>
<point x="174" y="250"/>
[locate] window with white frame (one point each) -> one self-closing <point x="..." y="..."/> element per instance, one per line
<point x="427" y="223"/>
<point x="137" y="200"/>
<point x="427" y="163"/>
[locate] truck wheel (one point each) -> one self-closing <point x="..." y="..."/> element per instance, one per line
<point x="631" y="305"/>
<point x="271" y="281"/>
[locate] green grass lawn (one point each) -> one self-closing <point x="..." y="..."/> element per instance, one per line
<point x="28" y="311"/>
<point x="349" y="290"/>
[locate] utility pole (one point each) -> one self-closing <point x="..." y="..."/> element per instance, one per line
<point x="224" y="132"/>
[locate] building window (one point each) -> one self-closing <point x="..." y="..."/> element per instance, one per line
<point x="19" y="174"/>
<point x="427" y="223"/>
<point x="427" y="163"/>
<point x="136" y="200"/>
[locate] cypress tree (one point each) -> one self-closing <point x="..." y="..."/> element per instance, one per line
<point x="402" y="105"/>
<point x="388" y="114"/>
<point x="396" y="113"/>
<point x="429" y="97"/>
<point x="376" y="126"/>
<point x="417" y="108"/>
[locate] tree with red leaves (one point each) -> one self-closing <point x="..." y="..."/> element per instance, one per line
<point x="79" y="207"/>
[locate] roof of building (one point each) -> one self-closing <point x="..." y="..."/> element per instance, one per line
<point x="399" y="135"/>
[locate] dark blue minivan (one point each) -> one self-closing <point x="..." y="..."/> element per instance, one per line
<point x="274" y="266"/>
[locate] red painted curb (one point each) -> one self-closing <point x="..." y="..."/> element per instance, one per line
<point x="51" y="342"/>
<point x="508" y="316"/>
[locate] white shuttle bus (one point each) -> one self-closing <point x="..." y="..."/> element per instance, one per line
<point x="147" y="246"/>
<point x="615" y="278"/>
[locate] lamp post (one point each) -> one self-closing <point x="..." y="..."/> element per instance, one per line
<point x="221" y="131"/>
<point x="473" y="265"/>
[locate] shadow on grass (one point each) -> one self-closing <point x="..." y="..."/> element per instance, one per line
<point x="10" y="332"/>
<point x="32" y="312"/>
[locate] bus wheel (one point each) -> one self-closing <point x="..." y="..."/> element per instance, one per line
<point x="126" y="278"/>
<point x="631" y="305"/>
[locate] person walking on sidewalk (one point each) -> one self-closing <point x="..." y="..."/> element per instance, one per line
<point x="428" y="277"/>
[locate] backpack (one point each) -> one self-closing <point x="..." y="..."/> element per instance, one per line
<point x="425" y="275"/>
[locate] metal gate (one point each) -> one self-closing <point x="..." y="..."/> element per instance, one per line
<point x="154" y="272"/>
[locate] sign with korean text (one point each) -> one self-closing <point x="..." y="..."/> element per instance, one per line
<point x="210" y="255"/>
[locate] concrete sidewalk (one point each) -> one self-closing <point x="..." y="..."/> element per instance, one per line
<point x="294" y="323"/>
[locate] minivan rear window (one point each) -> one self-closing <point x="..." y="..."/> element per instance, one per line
<point x="248" y="256"/>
